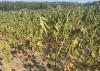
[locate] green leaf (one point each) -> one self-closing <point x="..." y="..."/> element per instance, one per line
<point x="43" y="24"/>
<point x="93" y="54"/>
<point x="74" y="45"/>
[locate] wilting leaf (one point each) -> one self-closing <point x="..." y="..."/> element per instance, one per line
<point x="43" y="24"/>
<point x="74" y="45"/>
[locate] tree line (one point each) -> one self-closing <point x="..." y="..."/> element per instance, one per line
<point x="8" y="5"/>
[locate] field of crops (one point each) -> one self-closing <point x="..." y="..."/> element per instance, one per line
<point x="50" y="40"/>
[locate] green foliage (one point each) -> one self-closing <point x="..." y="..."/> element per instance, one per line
<point x="73" y="33"/>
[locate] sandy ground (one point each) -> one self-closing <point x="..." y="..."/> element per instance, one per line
<point x="20" y="64"/>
